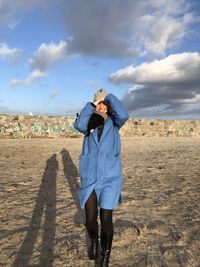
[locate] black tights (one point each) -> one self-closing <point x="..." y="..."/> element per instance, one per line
<point x="91" y="212"/>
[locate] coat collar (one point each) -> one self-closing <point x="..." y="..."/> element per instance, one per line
<point x="107" y="126"/>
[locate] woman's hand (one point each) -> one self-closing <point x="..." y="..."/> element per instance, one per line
<point x="99" y="100"/>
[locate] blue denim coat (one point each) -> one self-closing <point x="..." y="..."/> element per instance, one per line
<point x="100" y="167"/>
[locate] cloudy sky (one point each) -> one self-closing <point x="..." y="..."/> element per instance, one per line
<point x="54" y="55"/>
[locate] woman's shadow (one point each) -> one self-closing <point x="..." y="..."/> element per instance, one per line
<point x="45" y="204"/>
<point x="71" y="175"/>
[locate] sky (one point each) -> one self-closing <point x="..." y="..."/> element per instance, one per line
<point x="55" y="54"/>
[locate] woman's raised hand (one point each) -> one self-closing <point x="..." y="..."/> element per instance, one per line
<point x="99" y="100"/>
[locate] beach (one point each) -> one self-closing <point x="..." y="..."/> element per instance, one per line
<point x="158" y="223"/>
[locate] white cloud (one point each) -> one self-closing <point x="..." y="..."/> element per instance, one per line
<point x="166" y="25"/>
<point x="10" y="54"/>
<point x="165" y="32"/>
<point x="113" y="28"/>
<point x="168" y="87"/>
<point x="177" y="68"/>
<point x="35" y="75"/>
<point x="48" y="54"/>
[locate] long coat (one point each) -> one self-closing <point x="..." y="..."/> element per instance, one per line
<point x="100" y="166"/>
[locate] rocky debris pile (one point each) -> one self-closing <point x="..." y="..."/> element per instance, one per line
<point x="158" y="127"/>
<point x="36" y="126"/>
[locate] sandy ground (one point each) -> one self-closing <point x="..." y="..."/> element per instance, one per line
<point x="158" y="223"/>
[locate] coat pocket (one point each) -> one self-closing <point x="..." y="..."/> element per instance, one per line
<point x="84" y="165"/>
<point x="113" y="166"/>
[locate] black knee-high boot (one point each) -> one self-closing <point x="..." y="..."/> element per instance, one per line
<point x="106" y="245"/>
<point x="94" y="244"/>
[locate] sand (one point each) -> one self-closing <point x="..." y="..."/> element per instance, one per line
<point x="158" y="223"/>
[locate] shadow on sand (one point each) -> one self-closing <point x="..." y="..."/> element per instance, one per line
<point x="45" y="206"/>
<point x="71" y="175"/>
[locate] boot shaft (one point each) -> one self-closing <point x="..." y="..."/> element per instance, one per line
<point x="106" y="245"/>
<point x="106" y="240"/>
<point x="93" y="249"/>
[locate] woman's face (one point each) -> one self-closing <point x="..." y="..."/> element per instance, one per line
<point x="102" y="106"/>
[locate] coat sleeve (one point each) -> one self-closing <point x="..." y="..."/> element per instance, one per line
<point x="81" y="122"/>
<point x="118" y="112"/>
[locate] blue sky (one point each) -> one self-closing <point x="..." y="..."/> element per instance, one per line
<point x="55" y="55"/>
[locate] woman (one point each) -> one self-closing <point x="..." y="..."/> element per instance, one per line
<point x="100" y="167"/>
